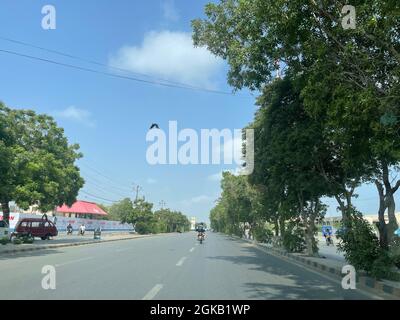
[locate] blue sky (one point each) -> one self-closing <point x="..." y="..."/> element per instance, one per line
<point x="110" y="117"/>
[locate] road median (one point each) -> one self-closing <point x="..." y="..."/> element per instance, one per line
<point x="14" y="249"/>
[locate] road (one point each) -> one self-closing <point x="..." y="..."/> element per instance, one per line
<point x="172" y="266"/>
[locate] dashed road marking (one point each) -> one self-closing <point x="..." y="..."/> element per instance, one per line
<point x="153" y="292"/>
<point x="180" y="262"/>
<point x="72" y="261"/>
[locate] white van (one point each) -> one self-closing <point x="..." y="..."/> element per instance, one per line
<point x="4" y="232"/>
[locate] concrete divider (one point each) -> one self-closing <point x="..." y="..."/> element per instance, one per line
<point x="17" y="249"/>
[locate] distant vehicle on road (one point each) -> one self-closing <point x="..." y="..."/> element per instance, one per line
<point x="36" y="227"/>
<point x="340" y="232"/>
<point x="4" y="232"/>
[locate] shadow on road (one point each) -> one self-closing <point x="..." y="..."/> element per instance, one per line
<point x="281" y="279"/>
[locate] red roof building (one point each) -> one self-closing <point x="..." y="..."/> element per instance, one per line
<point x="82" y="209"/>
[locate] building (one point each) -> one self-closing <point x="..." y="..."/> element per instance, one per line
<point x="371" y="218"/>
<point x="193" y="223"/>
<point x="81" y="209"/>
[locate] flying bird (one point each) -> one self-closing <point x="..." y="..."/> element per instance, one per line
<point x="154" y="125"/>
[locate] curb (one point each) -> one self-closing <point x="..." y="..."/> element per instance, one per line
<point x="63" y="245"/>
<point x="362" y="280"/>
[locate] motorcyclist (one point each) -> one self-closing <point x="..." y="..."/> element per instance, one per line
<point x="69" y="229"/>
<point x="328" y="236"/>
<point x="201" y="232"/>
<point x="82" y="229"/>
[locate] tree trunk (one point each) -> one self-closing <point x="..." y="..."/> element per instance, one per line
<point x="389" y="201"/>
<point x="392" y="226"/>
<point x="6" y="211"/>
<point x="281" y="226"/>
<point x="276" y="227"/>
<point x="309" y="220"/>
<point x="382" y="227"/>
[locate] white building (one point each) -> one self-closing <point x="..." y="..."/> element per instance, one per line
<point x="193" y="223"/>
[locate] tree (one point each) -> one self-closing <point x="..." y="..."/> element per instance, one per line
<point x="171" y="221"/>
<point x="120" y="210"/>
<point x="351" y="78"/>
<point x="139" y="214"/>
<point x="37" y="165"/>
<point x="288" y="148"/>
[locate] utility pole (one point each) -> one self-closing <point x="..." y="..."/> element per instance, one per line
<point x="136" y="190"/>
<point x="162" y="204"/>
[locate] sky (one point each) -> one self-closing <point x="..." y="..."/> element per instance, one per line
<point x="109" y="117"/>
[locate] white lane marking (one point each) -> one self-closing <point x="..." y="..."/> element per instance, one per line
<point x="191" y="250"/>
<point x="73" y="261"/>
<point x="153" y="292"/>
<point x="180" y="262"/>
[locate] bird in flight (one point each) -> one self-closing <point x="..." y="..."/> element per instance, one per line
<point x="154" y="126"/>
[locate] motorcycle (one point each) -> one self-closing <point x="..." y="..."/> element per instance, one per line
<point x="81" y="232"/>
<point x="329" y="240"/>
<point x="69" y="231"/>
<point x="200" y="237"/>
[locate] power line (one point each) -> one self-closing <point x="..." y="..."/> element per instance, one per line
<point x="97" y="197"/>
<point x="96" y="62"/>
<point x="93" y="185"/>
<point x="125" y="189"/>
<point x="110" y="74"/>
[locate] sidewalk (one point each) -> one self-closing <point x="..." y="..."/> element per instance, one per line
<point x="67" y="241"/>
<point x="332" y="262"/>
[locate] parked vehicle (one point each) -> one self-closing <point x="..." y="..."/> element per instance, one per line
<point x="35" y="227"/>
<point x="4" y="231"/>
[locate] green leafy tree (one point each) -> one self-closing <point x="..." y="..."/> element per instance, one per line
<point x="37" y="165"/>
<point x="289" y="147"/>
<point x="171" y="221"/>
<point x="120" y="210"/>
<point x="351" y="79"/>
<point x="140" y="215"/>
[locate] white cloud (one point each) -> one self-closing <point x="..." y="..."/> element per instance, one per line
<point x="77" y="115"/>
<point x="215" y="176"/>
<point x="151" y="181"/>
<point x="196" y="200"/>
<point x="232" y="145"/>
<point x="218" y="176"/>
<point x="170" y="55"/>
<point x="170" y="12"/>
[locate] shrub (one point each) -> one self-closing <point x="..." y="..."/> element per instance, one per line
<point x="361" y="248"/>
<point x="17" y="241"/>
<point x="394" y="251"/>
<point x="293" y="238"/>
<point x="4" y="241"/>
<point x="27" y="239"/>
<point x="262" y="234"/>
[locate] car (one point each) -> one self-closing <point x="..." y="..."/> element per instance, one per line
<point x="36" y="227"/>
<point x="4" y="231"/>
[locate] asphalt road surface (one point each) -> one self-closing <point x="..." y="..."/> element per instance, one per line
<point x="173" y="266"/>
